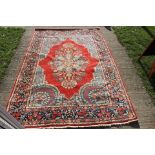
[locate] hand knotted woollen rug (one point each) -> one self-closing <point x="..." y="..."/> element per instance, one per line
<point x="69" y="79"/>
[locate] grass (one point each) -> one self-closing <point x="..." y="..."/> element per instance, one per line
<point x="9" y="40"/>
<point x="136" y="40"/>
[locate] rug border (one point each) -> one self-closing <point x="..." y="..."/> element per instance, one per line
<point x="108" y="124"/>
<point x="20" y="68"/>
<point x="119" y="72"/>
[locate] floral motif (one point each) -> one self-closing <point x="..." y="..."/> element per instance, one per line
<point x="42" y="96"/>
<point x="68" y="66"/>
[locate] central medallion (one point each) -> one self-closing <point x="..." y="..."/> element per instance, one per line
<point x="68" y="66"/>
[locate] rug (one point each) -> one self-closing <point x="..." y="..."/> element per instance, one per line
<point x="68" y="78"/>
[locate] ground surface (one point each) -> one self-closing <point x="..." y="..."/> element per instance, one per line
<point x="9" y="40"/>
<point x="135" y="88"/>
<point x="136" y="40"/>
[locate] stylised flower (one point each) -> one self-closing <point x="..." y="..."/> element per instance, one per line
<point x="68" y="66"/>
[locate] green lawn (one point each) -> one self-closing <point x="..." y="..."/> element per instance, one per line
<point x="9" y="40"/>
<point x="135" y="40"/>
